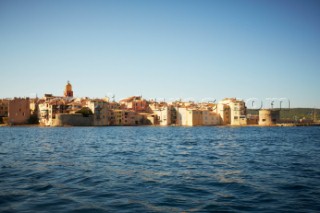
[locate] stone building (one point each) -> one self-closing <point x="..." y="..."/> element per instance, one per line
<point x="232" y="111"/>
<point x="268" y="117"/>
<point x="188" y="116"/>
<point x="210" y="118"/>
<point x="18" y="111"/>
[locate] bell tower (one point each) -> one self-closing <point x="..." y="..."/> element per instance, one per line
<point x="68" y="90"/>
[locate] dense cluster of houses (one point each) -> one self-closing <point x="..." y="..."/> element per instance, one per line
<point x="70" y="111"/>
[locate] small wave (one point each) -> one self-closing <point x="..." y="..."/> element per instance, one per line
<point x="89" y="209"/>
<point x="40" y="188"/>
<point x="294" y="187"/>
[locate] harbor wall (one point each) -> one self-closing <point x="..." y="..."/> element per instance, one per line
<point x="72" y="120"/>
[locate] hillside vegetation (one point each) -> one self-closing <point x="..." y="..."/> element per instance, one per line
<point x="294" y="113"/>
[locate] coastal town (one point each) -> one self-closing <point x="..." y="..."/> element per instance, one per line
<point x="67" y="110"/>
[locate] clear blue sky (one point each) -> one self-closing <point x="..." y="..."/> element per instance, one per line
<point x="162" y="49"/>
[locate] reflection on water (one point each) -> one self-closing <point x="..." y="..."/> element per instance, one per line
<point x="150" y="169"/>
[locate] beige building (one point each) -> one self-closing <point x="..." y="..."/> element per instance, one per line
<point x="19" y="111"/>
<point x="223" y="110"/>
<point x="232" y="111"/>
<point x="268" y="117"/>
<point x="48" y="110"/>
<point x="188" y="116"/>
<point x="163" y="113"/>
<point x="34" y="105"/>
<point x="210" y="118"/>
<point x="121" y="117"/>
<point x="101" y="110"/>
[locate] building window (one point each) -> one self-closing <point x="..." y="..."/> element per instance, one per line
<point x="263" y="120"/>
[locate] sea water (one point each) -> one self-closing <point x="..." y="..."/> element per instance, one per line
<point x="159" y="169"/>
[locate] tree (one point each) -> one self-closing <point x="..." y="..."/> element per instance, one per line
<point x="85" y="111"/>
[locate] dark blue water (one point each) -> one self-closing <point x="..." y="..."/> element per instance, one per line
<point x="153" y="169"/>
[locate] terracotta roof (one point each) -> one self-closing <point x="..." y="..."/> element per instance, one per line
<point x="129" y="99"/>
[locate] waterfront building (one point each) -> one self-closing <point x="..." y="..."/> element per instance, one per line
<point x="210" y="118"/>
<point x="34" y="106"/>
<point x="252" y="119"/>
<point x="193" y="117"/>
<point x="18" y="111"/>
<point x="48" y="110"/>
<point x="100" y="109"/>
<point x="188" y="116"/>
<point x="163" y="113"/>
<point x="123" y="117"/>
<point x="269" y="117"/>
<point x="223" y="110"/>
<point x="232" y="111"/>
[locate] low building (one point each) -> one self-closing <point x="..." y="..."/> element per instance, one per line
<point x="252" y="119"/>
<point x="77" y="119"/>
<point x="269" y="117"/>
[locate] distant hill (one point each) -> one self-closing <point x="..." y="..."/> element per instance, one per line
<point x="294" y="113"/>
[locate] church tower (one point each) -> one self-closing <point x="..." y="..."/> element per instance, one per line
<point x="68" y="90"/>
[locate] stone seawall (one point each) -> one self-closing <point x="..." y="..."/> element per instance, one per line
<point x="72" y="120"/>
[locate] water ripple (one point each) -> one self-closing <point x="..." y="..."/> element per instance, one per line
<point x="149" y="169"/>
